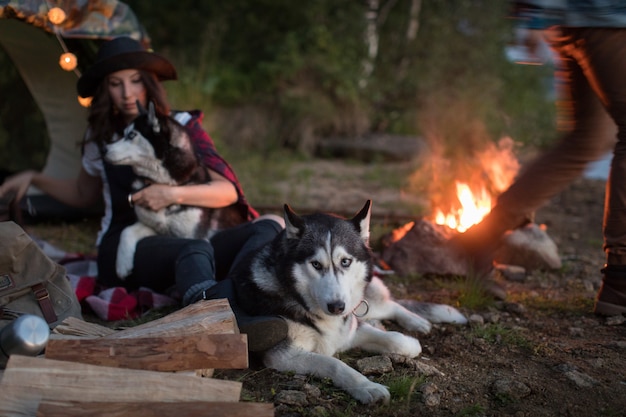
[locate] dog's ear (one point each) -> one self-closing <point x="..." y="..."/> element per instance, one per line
<point x="142" y="110"/>
<point x="153" y="120"/>
<point x="294" y="225"/>
<point x="362" y="221"/>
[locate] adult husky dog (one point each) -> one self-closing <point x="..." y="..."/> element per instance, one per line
<point x="317" y="274"/>
<point x="161" y="152"/>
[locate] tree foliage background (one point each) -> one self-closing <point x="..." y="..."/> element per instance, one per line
<point x="272" y="74"/>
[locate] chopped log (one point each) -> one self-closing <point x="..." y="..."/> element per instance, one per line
<point x="152" y="409"/>
<point x="203" y="317"/>
<point x="73" y="326"/>
<point x="27" y="381"/>
<point x="170" y="353"/>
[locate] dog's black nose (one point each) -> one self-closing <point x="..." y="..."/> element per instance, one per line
<point x="336" y="307"/>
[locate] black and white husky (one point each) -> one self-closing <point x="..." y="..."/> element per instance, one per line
<point x="161" y="152"/>
<point x="317" y="274"/>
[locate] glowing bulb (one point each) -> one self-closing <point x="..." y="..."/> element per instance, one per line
<point x="56" y="15"/>
<point x="68" y="61"/>
<point x="84" y="101"/>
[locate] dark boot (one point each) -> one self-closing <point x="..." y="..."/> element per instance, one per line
<point x="611" y="299"/>
<point x="263" y="332"/>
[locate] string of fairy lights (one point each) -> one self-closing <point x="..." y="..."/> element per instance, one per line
<point x="67" y="60"/>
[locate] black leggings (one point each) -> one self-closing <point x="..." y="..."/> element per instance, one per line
<point x="163" y="262"/>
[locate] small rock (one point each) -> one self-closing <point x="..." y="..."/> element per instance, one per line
<point x="615" y="320"/>
<point x="319" y="411"/>
<point x="580" y="379"/>
<point x="312" y="391"/>
<point x="419" y="366"/>
<point x="291" y="397"/>
<point x="430" y="395"/>
<point x="477" y="319"/>
<point x="618" y="344"/>
<point x="428" y="388"/>
<point x="374" y="365"/>
<point x="510" y="388"/>
<point x="576" y="331"/>
<point x="429" y="349"/>
<point x="515" y="308"/>
<point x="492" y="318"/>
<point x="427" y="370"/>
<point x="530" y="247"/>
<point x="432" y="400"/>
<point x="512" y="273"/>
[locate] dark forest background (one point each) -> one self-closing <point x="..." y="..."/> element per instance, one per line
<point x="282" y="75"/>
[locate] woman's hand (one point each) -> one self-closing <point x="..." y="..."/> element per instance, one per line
<point x="155" y="197"/>
<point x="17" y="184"/>
<point x="218" y="193"/>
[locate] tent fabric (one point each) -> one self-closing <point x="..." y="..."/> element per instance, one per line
<point x="86" y="19"/>
<point x="36" y="53"/>
<point x="35" y="46"/>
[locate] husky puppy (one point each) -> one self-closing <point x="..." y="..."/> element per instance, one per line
<point x="161" y="152"/>
<point x="317" y="275"/>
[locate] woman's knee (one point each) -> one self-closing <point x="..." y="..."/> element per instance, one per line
<point x="270" y="222"/>
<point x="196" y="248"/>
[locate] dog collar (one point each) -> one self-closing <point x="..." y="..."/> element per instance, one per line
<point x="367" y="309"/>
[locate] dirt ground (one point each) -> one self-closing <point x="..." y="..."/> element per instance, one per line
<point x="540" y="353"/>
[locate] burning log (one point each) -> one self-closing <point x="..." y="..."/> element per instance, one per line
<point x="421" y="247"/>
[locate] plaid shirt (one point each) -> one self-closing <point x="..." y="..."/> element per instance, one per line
<point x="205" y="147"/>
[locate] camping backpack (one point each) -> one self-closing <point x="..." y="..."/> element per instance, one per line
<point x="31" y="282"/>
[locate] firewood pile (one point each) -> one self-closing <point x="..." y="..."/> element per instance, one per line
<point x="159" y="368"/>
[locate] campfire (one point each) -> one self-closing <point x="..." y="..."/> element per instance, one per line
<point x="496" y="168"/>
<point x="421" y="246"/>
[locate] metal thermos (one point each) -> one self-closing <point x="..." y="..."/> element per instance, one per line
<point x="27" y="335"/>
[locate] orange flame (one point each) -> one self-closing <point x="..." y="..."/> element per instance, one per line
<point x="499" y="166"/>
<point x="473" y="209"/>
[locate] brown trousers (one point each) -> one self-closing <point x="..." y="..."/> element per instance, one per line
<point x="591" y="83"/>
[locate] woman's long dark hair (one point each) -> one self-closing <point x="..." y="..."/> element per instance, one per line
<point x="104" y="121"/>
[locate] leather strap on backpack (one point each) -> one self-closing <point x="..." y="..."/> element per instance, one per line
<point x="43" y="298"/>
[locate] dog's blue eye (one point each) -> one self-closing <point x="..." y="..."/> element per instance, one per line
<point x="346" y="262"/>
<point x="317" y="265"/>
<point x="131" y="135"/>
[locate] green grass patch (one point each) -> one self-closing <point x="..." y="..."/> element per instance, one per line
<point x="498" y="334"/>
<point x="472" y="293"/>
<point x="472" y="410"/>
<point x="404" y="387"/>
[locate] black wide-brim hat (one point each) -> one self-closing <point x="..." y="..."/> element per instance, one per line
<point x="119" y="54"/>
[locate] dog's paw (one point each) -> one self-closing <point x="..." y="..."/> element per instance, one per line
<point x="371" y="393"/>
<point x="434" y="313"/>
<point x="415" y="323"/>
<point x="402" y="344"/>
<point x="124" y="266"/>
